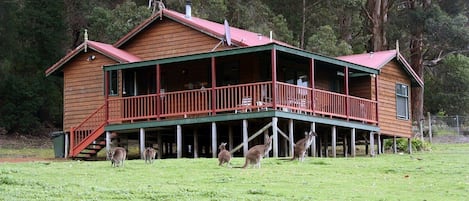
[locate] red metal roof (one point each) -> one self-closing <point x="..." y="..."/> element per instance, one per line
<point x="374" y="60"/>
<point x="239" y="37"/>
<point x="377" y="60"/>
<point x="113" y="52"/>
<point x="103" y="48"/>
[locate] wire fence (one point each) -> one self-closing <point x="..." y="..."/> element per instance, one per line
<point x="446" y="125"/>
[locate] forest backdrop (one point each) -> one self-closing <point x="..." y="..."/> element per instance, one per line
<point x="432" y="35"/>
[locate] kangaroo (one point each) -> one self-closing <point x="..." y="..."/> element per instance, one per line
<point x="117" y="156"/>
<point x="256" y="153"/>
<point x="302" y="146"/>
<point x="224" y="156"/>
<point x="149" y="155"/>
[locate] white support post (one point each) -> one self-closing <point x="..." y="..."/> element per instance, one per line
<point x="196" y="143"/>
<point x="290" y="136"/>
<point x="379" y="144"/>
<point x="214" y="140"/>
<point x="275" y="136"/>
<point x="230" y="137"/>
<point x="352" y="143"/>
<point x="66" y="145"/>
<point x="245" y="137"/>
<point x="179" y="141"/>
<point x="313" y="144"/>
<point x="409" y="145"/>
<point x="142" y="142"/>
<point x="266" y="136"/>
<point x="394" y="144"/>
<point x="372" y="144"/>
<point x="334" y="141"/>
<point x="160" y="146"/>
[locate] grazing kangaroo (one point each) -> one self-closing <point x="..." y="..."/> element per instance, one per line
<point x="149" y="155"/>
<point x="302" y="146"/>
<point x="224" y="156"/>
<point x="117" y="156"/>
<point x="256" y="153"/>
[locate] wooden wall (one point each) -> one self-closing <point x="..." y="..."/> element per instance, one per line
<point x="83" y="87"/>
<point x="168" y="38"/>
<point x="391" y="74"/>
<point x="361" y="87"/>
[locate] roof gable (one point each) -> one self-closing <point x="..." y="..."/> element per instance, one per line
<point x="110" y="51"/>
<point x="239" y="37"/>
<point x="378" y="60"/>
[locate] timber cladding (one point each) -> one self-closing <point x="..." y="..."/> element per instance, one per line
<point x="391" y="75"/>
<point x="83" y="87"/>
<point x="168" y="38"/>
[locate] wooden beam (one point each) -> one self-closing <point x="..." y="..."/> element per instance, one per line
<point x="252" y="137"/>
<point x="283" y="134"/>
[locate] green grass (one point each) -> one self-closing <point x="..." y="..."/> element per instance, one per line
<point x="440" y="174"/>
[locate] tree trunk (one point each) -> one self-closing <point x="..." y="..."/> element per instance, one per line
<point x="303" y="26"/>
<point x="377" y="13"/>
<point x="416" y="58"/>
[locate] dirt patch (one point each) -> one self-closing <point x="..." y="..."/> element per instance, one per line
<point x="16" y="141"/>
<point x="21" y="142"/>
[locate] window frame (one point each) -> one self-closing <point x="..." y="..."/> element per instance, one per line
<point x="113" y="82"/>
<point x="402" y="96"/>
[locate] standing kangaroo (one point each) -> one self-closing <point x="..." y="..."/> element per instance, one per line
<point x="224" y="156"/>
<point x="117" y="156"/>
<point x="302" y="146"/>
<point x="149" y="155"/>
<point x="256" y="153"/>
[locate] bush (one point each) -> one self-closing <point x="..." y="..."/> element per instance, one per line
<point x="401" y="143"/>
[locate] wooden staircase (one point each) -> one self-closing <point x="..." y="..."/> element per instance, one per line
<point x="88" y="138"/>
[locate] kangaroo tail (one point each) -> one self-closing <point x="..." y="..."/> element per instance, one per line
<point x="245" y="164"/>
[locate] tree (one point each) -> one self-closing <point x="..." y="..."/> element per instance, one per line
<point x="326" y="42"/>
<point x="449" y="91"/>
<point x="108" y="25"/>
<point x="28" y="101"/>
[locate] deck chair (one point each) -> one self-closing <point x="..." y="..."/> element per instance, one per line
<point x="246" y="104"/>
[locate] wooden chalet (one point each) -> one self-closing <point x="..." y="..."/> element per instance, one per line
<point x="184" y="84"/>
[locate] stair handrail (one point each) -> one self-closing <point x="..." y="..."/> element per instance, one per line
<point x="75" y="139"/>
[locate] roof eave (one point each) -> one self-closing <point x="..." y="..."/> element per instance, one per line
<point x="51" y="70"/>
<point x="415" y="78"/>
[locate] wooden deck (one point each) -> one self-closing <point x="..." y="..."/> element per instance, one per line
<point x="221" y="100"/>
<point x="241" y="98"/>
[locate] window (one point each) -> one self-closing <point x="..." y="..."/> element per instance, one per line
<point x="113" y="91"/>
<point x="402" y="101"/>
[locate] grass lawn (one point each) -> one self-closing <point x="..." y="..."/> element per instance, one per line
<point x="440" y="174"/>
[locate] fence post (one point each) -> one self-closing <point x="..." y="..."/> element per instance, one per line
<point x="421" y="130"/>
<point x="430" y="127"/>
<point x="457" y="124"/>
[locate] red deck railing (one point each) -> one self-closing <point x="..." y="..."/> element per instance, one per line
<point x="235" y="98"/>
<point x="241" y="98"/>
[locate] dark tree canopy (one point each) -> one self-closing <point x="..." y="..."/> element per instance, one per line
<point x="35" y="34"/>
